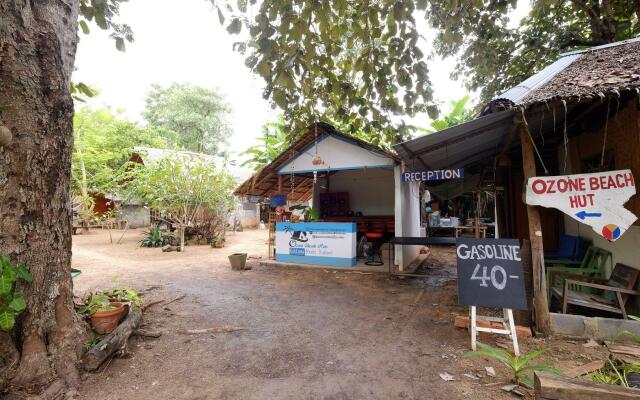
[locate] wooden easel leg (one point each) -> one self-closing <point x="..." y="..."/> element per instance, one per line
<point x="512" y="328"/>
<point x="472" y="328"/>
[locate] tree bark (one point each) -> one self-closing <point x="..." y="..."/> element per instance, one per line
<point x="37" y="50"/>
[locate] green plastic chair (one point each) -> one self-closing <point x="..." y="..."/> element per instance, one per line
<point x="593" y="264"/>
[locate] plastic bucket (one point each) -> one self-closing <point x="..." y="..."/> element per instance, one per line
<point x="238" y="261"/>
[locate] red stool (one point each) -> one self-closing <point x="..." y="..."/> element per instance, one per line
<point x="376" y="239"/>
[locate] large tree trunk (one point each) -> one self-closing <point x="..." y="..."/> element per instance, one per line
<point x="37" y="50"/>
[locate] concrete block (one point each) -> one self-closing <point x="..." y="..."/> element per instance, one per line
<point x="591" y="328"/>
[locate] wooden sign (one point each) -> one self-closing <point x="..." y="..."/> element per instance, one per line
<point x="593" y="199"/>
<point x="435" y="175"/>
<point x="490" y="273"/>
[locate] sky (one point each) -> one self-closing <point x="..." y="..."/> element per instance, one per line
<point x="182" y="41"/>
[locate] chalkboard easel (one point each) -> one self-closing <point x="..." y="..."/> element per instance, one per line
<point x="507" y="323"/>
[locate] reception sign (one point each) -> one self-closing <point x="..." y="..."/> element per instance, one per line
<point x="593" y="199"/>
<point x="321" y="243"/>
<point x="435" y="175"/>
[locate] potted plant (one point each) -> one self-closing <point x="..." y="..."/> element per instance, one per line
<point x="104" y="313"/>
<point x="309" y="214"/>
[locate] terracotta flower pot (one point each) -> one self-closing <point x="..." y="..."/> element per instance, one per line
<point x="107" y="321"/>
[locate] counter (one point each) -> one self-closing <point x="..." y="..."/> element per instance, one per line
<point x="316" y="243"/>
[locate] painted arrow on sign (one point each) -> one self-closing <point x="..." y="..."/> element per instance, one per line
<point x="584" y="215"/>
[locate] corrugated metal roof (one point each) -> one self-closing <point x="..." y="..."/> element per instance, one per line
<point x="458" y="146"/>
<point x="523" y="92"/>
<point x="519" y="92"/>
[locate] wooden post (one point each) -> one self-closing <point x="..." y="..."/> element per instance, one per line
<point x="280" y="184"/>
<point x="328" y="182"/>
<point x="540" y="303"/>
<point x="476" y="220"/>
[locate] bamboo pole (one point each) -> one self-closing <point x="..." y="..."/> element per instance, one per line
<point x="540" y="302"/>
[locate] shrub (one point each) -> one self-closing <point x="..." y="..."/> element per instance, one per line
<point x="154" y="237"/>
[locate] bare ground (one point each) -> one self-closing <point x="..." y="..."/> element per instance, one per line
<point x="307" y="333"/>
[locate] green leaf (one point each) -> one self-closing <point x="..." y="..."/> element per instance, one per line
<point x="84" y="26"/>
<point x="220" y="15"/>
<point x="85" y="90"/>
<point x="120" y="44"/>
<point x="5" y="262"/>
<point x="7" y="278"/>
<point x="235" y="26"/>
<point x="18" y="304"/>
<point x="7" y="319"/>
<point x="24" y="274"/>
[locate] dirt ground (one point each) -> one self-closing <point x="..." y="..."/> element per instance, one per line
<point x="307" y="333"/>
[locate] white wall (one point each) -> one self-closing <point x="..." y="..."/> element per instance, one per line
<point x="371" y="191"/>
<point x="335" y="154"/>
<point x="407" y="215"/>
<point x="137" y="216"/>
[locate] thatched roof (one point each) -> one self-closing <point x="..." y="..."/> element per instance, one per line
<point x="265" y="181"/>
<point x="591" y="74"/>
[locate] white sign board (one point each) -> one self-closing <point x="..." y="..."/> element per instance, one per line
<point x="320" y="243"/>
<point x="593" y="199"/>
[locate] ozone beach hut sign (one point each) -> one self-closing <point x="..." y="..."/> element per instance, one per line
<point x="594" y="199"/>
<point x="435" y="175"/>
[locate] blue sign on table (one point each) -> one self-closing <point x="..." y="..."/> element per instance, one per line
<point x="436" y="175"/>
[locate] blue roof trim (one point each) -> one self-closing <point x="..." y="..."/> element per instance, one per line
<point x="305" y="171"/>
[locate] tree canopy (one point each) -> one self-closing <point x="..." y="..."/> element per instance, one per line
<point x="494" y="55"/>
<point x="105" y="13"/>
<point x="357" y="63"/>
<point x="197" y="114"/>
<point x="103" y="144"/>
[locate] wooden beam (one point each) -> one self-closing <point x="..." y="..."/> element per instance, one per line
<point x="553" y="387"/>
<point x="540" y="303"/>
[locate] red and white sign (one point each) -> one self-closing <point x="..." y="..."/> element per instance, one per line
<point x="593" y="199"/>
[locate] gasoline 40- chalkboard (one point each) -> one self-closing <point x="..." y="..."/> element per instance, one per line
<point x="490" y="273"/>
